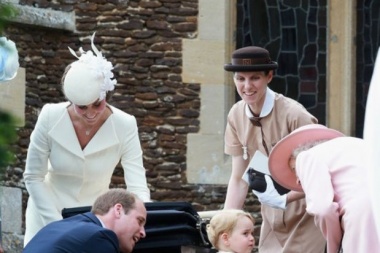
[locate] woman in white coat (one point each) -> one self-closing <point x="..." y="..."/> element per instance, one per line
<point x="76" y="145"/>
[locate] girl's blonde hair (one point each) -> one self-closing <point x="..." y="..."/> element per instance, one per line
<point x="224" y="222"/>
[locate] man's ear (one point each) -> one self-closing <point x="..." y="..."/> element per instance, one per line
<point x="117" y="210"/>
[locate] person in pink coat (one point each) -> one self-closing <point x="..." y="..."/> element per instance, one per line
<point x="332" y="170"/>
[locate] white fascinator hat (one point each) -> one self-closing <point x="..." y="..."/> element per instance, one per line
<point x="89" y="78"/>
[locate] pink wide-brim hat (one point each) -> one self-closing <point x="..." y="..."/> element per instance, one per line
<point x="279" y="157"/>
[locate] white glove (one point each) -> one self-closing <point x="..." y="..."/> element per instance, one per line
<point x="271" y="197"/>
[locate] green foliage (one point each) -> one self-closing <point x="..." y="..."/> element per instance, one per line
<point x="8" y="136"/>
<point x="6" y="11"/>
<point x="8" y="133"/>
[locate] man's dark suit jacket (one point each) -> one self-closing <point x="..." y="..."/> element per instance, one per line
<point x="82" y="233"/>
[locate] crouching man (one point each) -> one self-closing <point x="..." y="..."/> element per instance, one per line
<point x="115" y="224"/>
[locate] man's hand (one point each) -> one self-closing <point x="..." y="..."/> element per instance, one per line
<point x="271" y="197"/>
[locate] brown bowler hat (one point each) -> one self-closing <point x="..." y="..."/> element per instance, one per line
<point x="250" y="59"/>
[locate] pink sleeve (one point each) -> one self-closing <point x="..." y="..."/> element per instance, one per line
<point x="316" y="183"/>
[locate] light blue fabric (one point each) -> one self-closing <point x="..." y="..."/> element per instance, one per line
<point x="8" y="59"/>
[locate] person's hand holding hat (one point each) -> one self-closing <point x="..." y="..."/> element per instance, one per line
<point x="270" y="196"/>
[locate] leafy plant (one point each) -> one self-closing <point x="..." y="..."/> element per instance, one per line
<point x="8" y="133"/>
<point x="6" y="11"/>
<point x="8" y="136"/>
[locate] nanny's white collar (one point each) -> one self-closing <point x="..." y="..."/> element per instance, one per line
<point x="267" y="106"/>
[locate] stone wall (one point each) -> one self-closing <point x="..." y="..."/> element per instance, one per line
<point x="10" y="219"/>
<point x="143" y="39"/>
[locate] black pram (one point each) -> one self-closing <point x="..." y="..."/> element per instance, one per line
<point x="171" y="227"/>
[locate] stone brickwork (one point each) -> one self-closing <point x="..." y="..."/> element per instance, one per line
<point x="143" y="39"/>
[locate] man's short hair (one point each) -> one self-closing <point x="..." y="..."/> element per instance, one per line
<point x="112" y="197"/>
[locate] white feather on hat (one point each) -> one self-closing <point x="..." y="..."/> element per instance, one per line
<point x="89" y="78"/>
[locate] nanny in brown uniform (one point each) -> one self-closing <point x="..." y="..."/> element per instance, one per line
<point x="257" y="122"/>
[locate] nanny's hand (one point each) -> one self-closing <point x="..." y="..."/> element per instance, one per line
<point x="271" y="197"/>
